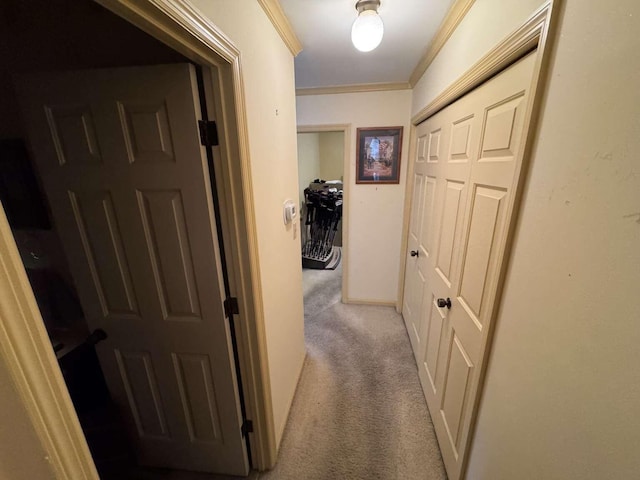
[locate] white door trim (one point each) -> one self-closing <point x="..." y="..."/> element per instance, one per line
<point x="26" y="350"/>
<point x="346" y="179"/>
<point x="24" y="343"/>
<point x="533" y="34"/>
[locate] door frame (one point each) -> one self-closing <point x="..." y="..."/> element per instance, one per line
<point x="24" y="343"/>
<point x="345" y="128"/>
<point x="533" y="34"/>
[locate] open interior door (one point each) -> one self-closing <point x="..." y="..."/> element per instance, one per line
<point x="120" y="159"/>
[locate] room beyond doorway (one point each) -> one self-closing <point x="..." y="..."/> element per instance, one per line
<point x="323" y="168"/>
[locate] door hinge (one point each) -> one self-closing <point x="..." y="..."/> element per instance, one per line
<point x="208" y="133"/>
<point x="231" y="307"/>
<point x="247" y="427"/>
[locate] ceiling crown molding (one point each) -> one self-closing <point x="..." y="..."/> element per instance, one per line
<point x="357" y="88"/>
<point x="279" y="19"/>
<point x="451" y="21"/>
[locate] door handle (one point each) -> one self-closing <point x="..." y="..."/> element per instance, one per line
<point x="444" y="303"/>
<point x="415" y="253"/>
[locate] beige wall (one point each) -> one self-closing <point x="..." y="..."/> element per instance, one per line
<point x="486" y="23"/>
<point x="331" y="155"/>
<point x="562" y="392"/>
<point x="267" y="67"/>
<point x="22" y="456"/>
<point x="308" y="161"/>
<point x="375" y="211"/>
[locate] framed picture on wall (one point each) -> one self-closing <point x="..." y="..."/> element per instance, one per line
<point x="378" y="153"/>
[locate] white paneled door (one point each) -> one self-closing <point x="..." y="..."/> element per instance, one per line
<point x="467" y="160"/>
<point x="119" y="155"/>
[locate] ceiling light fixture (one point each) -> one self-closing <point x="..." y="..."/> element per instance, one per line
<point x="367" y="30"/>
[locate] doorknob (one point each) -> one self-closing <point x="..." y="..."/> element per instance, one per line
<point x="415" y="253"/>
<point x="444" y="303"/>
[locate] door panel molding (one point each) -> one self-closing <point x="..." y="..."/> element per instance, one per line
<point x="110" y="273"/>
<point x="142" y="393"/>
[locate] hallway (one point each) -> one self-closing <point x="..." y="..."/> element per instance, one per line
<point x="359" y="411"/>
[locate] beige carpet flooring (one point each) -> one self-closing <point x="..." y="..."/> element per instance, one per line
<point x="359" y="411"/>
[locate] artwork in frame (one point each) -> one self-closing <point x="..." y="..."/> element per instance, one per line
<point x="378" y="153"/>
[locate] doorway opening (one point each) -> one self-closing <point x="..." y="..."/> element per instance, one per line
<point x="64" y="36"/>
<point x="323" y="179"/>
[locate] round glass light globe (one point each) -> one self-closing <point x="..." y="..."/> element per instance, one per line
<point x="367" y="31"/>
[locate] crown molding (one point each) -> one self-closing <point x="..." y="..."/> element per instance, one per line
<point x="279" y="19"/>
<point x="356" y="88"/>
<point x="522" y="41"/>
<point x="451" y="21"/>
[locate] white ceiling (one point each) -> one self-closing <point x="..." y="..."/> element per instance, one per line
<point x="329" y="58"/>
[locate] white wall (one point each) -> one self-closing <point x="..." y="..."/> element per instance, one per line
<point x="308" y="160"/>
<point x="267" y="67"/>
<point x="22" y="456"/>
<point x="331" y="155"/>
<point x="375" y="211"/>
<point x="562" y="392"/>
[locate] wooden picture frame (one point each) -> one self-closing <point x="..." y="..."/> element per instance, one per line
<point x="378" y="155"/>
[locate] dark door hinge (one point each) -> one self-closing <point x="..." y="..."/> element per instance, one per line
<point x="247" y="427"/>
<point x="208" y="133"/>
<point x="231" y="307"/>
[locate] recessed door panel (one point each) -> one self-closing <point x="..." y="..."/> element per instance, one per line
<point x="418" y="295"/>
<point x="147" y="132"/>
<point x="451" y="214"/>
<point x="460" y="140"/>
<point x="421" y="150"/>
<point x="433" y="342"/>
<point x="416" y="214"/>
<point x="166" y="233"/>
<point x="73" y="134"/>
<point x="104" y="251"/>
<point x="488" y="203"/>
<point x="434" y="146"/>
<point x="139" y="379"/>
<point x="426" y="232"/>
<point x="198" y="396"/>
<point x="500" y="129"/>
<point x="455" y="390"/>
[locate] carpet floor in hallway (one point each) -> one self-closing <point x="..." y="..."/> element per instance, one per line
<point x="359" y="411"/>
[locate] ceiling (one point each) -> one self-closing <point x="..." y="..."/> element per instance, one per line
<point x="329" y="58"/>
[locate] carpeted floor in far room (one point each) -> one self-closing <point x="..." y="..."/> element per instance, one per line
<point x="359" y="411"/>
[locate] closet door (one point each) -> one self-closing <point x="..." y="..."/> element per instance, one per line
<point x="465" y="177"/>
